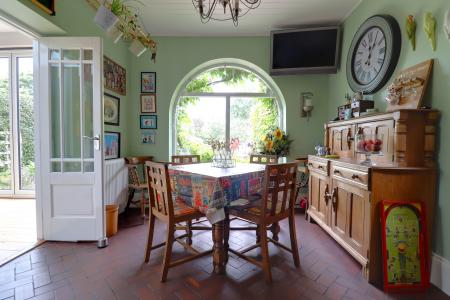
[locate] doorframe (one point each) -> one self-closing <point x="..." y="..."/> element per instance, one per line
<point x="35" y="36"/>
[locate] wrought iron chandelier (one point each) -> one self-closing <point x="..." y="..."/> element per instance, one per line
<point x="235" y="8"/>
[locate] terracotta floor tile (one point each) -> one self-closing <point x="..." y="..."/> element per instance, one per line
<point x="81" y="271"/>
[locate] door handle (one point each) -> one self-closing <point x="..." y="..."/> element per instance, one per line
<point x="327" y="195"/>
<point x="95" y="139"/>
<point x="334" y="199"/>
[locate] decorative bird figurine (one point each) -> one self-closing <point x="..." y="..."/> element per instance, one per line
<point x="411" y="30"/>
<point x="429" y="26"/>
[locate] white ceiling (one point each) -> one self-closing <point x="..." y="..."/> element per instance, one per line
<point x="179" y="17"/>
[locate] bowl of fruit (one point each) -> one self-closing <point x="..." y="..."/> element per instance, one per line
<point x="369" y="144"/>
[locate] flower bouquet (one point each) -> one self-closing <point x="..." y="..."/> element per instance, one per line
<point x="275" y="142"/>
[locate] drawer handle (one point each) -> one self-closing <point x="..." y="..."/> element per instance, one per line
<point x="337" y="172"/>
<point x="320" y="167"/>
<point x="354" y="176"/>
<point x="310" y="164"/>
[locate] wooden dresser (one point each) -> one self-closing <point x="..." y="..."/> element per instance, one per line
<point x="344" y="195"/>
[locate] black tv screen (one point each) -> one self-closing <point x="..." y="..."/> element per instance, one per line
<point x="305" y="51"/>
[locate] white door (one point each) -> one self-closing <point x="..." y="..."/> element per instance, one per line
<point x="70" y="131"/>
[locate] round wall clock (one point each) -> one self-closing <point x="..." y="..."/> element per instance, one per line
<point x="373" y="54"/>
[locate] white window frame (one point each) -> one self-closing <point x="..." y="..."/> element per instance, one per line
<point x="273" y="92"/>
<point x="13" y="55"/>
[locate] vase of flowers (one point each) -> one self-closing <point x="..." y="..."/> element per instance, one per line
<point x="275" y="142"/>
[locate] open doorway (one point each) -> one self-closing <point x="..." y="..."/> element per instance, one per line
<point x="17" y="154"/>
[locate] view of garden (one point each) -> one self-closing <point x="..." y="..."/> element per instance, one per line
<point x="201" y="115"/>
<point x="25" y="125"/>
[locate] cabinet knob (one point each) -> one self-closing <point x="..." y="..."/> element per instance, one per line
<point x="354" y="176"/>
<point x="336" y="172"/>
<point x="320" y="167"/>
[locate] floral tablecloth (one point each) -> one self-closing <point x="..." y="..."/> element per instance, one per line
<point x="210" y="189"/>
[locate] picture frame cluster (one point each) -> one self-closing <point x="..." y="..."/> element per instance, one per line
<point x="148" y="120"/>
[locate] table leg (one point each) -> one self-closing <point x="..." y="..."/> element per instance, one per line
<point x="218" y="251"/>
<point x="275" y="228"/>
<point x="226" y="235"/>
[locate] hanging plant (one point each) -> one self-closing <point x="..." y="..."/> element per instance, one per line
<point x="122" y="21"/>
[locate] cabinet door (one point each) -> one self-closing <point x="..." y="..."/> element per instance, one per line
<point x="351" y="214"/>
<point x="339" y="207"/>
<point x="385" y="131"/>
<point x="318" y="197"/>
<point x="340" y="140"/>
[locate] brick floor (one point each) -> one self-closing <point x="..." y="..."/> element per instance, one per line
<point x="57" y="270"/>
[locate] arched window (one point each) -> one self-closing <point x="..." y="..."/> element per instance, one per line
<point x="227" y="102"/>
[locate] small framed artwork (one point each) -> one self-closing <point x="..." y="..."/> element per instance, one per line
<point x="112" y="145"/>
<point x="148" y="82"/>
<point x="114" y="76"/>
<point x="111" y="109"/>
<point x="148" y="137"/>
<point x="148" y="103"/>
<point x="46" y="5"/>
<point x="149" y="122"/>
<point x="404" y="246"/>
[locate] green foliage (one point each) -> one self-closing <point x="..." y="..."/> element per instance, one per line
<point x="26" y="131"/>
<point x="250" y="117"/>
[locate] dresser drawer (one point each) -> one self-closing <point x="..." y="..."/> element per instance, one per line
<point x="350" y="176"/>
<point x="319" y="166"/>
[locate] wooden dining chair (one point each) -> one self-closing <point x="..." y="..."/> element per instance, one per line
<point x="263" y="159"/>
<point x="163" y="208"/>
<point x="135" y="182"/>
<point x="185" y="159"/>
<point x="266" y="159"/>
<point x="276" y="204"/>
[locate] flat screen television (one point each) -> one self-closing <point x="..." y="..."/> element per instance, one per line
<point x="310" y="50"/>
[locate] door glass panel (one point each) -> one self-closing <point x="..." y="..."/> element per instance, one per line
<point x="87" y="54"/>
<point x="71" y="111"/>
<point x="72" y="166"/>
<point x="5" y="127"/>
<point x="54" y="54"/>
<point x="250" y="119"/>
<point x="88" y="144"/>
<point x="88" y="167"/>
<point x="25" y="122"/>
<point x="55" y="112"/>
<point x="56" y="166"/>
<point x="71" y="54"/>
<point x="200" y="119"/>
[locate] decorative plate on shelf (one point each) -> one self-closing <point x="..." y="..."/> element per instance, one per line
<point x="373" y="54"/>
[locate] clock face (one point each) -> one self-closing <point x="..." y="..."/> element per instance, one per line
<point x="373" y="54"/>
<point x="370" y="55"/>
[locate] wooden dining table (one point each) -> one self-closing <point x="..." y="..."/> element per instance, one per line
<point x="211" y="190"/>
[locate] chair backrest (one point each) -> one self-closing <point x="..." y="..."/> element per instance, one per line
<point x="263" y="159"/>
<point x="279" y="189"/>
<point x="159" y="190"/>
<point x="185" y="159"/>
<point x="133" y="162"/>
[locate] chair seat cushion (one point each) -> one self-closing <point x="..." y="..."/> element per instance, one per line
<point x="253" y="207"/>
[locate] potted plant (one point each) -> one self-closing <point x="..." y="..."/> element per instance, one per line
<point x="115" y="33"/>
<point x="275" y="142"/>
<point x="107" y="14"/>
<point x="137" y="47"/>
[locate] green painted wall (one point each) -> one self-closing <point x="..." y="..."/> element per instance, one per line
<point x="177" y="56"/>
<point x="437" y="96"/>
<point x="75" y="18"/>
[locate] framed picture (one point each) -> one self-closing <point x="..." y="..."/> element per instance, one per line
<point x="404" y="246"/>
<point x="114" y="76"/>
<point x="111" y="109"/>
<point x="148" y="137"/>
<point x="149" y="122"/>
<point x="148" y="103"/>
<point x="112" y="145"/>
<point x="148" y="82"/>
<point x="46" y="5"/>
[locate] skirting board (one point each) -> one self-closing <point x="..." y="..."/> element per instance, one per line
<point x="440" y="273"/>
